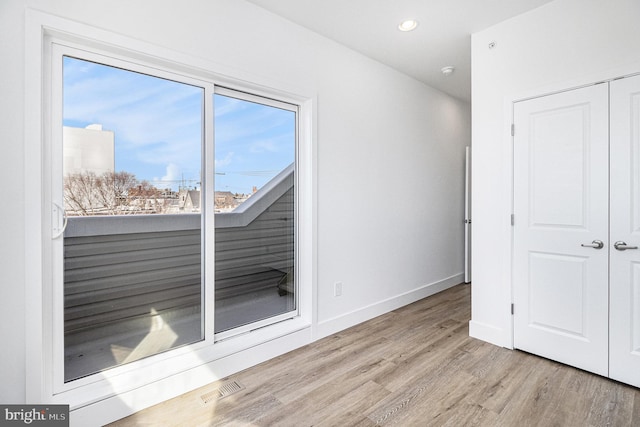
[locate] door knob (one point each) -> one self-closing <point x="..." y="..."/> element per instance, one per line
<point x="622" y="246"/>
<point x="596" y="244"/>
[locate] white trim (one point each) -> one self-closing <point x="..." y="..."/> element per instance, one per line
<point x="37" y="388"/>
<point x="504" y="303"/>
<point x="306" y="203"/>
<point x="339" y="323"/>
<point x="490" y="334"/>
<point x="54" y="249"/>
<point x="264" y="100"/>
<point x="605" y="75"/>
<point x="467" y="214"/>
<point x="208" y="219"/>
<point x="106" y="395"/>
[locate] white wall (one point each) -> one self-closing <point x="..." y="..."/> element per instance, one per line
<point x="12" y="225"/>
<point x="390" y="156"/>
<point x="563" y="44"/>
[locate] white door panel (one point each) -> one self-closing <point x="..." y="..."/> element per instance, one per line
<point x="561" y="202"/>
<point x="625" y="227"/>
<point x="558" y="163"/>
<point x="548" y="273"/>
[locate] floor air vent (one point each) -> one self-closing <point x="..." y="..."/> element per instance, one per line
<point x="222" y="391"/>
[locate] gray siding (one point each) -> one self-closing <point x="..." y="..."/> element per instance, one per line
<point x="256" y="256"/>
<point x="125" y="276"/>
<point x="116" y="280"/>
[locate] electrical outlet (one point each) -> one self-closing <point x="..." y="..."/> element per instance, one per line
<point x="337" y="289"/>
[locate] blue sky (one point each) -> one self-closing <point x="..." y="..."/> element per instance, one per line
<point x="253" y="143"/>
<point x="157" y="125"/>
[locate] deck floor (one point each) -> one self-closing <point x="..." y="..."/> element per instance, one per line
<point x="416" y="366"/>
<point x="180" y="327"/>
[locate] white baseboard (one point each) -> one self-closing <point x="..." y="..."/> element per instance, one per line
<point x="490" y="334"/>
<point x="339" y="323"/>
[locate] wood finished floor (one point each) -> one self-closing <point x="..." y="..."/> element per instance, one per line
<point x="416" y="366"/>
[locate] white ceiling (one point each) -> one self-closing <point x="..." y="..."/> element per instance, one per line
<point x="442" y="38"/>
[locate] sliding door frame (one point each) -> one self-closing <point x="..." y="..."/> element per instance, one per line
<point x="43" y="311"/>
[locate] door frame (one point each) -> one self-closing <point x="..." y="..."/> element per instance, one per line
<point x="115" y="396"/>
<point x="509" y="187"/>
<point x="585" y="342"/>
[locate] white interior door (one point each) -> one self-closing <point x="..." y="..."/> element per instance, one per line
<point x="625" y="227"/>
<point x="560" y="205"/>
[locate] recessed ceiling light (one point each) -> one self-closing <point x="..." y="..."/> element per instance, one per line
<point x="408" y="25"/>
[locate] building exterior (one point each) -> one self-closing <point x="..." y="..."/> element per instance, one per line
<point x="89" y="149"/>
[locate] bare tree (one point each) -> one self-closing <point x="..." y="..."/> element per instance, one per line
<point x="80" y="194"/>
<point x="112" y="193"/>
<point x="114" y="188"/>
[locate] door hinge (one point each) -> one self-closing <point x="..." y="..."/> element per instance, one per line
<point x="513" y="220"/>
<point x="512" y="308"/>
<point x="513" y="129"/>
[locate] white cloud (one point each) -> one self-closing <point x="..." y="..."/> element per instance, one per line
<point x="226" y="161"/>
<point x="173" y="173"/>
<point x="264" y="145"/>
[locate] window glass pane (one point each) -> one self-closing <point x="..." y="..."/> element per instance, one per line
<point x="132" y="159"/>
<point x="254" y="203"/>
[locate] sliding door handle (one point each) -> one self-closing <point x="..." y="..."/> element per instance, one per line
<point x="596" y="244"/>
<point x="622" y="246"/>
<point x="58" y="230"/>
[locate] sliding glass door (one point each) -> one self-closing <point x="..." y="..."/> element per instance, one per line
<point x="131" y="175"/>
<point x="173" y="212"/>
<point x="255" y="140"/>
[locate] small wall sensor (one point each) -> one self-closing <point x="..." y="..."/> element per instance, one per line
<point x="447" y="71"/>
